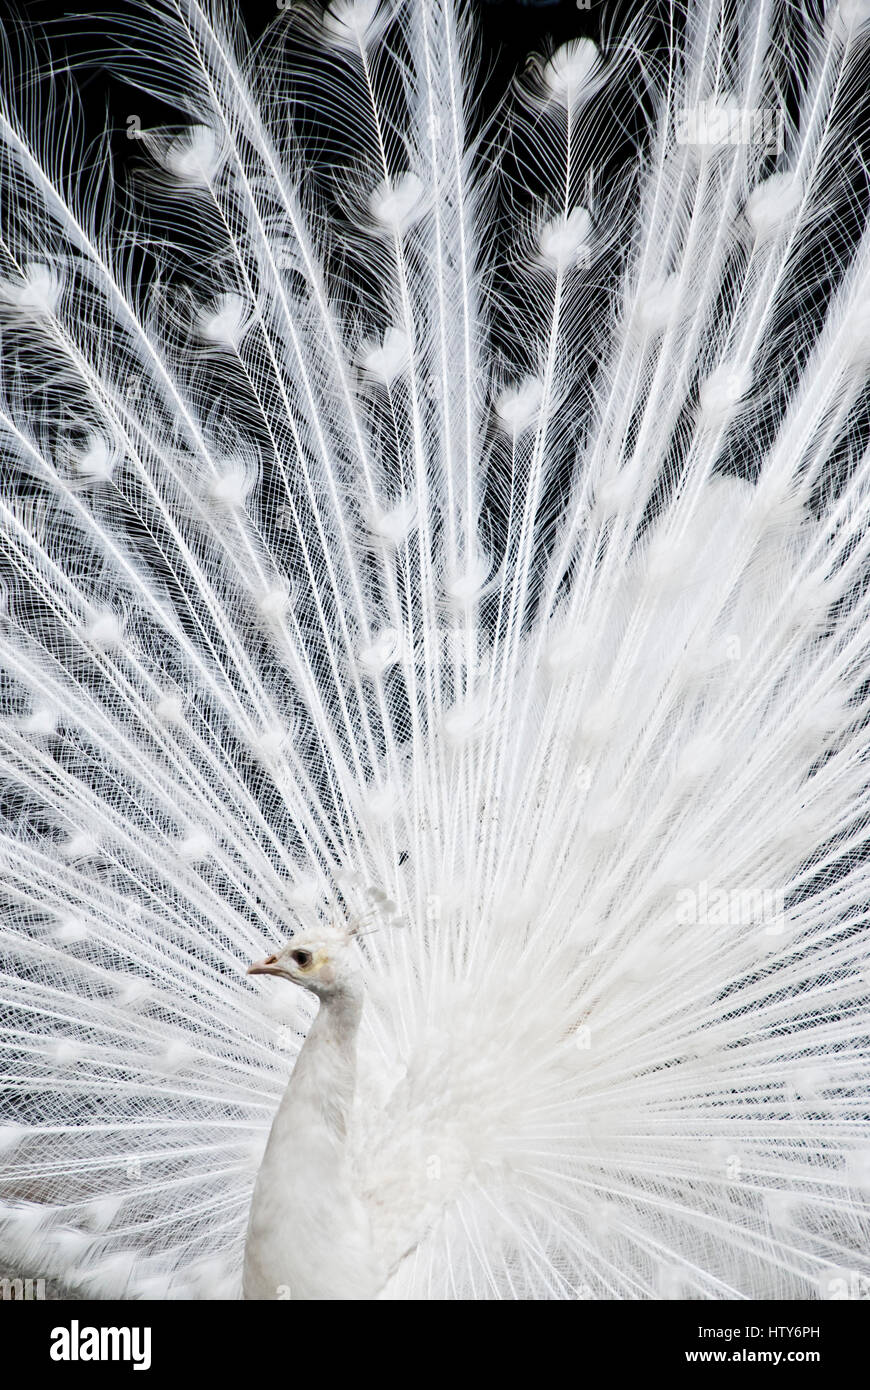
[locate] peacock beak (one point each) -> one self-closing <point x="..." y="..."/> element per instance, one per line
<point x="269" y="966"/>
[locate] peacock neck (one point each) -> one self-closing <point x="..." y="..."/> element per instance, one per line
<point x="308" y="1234"/>
<point x="324" y="1077"/>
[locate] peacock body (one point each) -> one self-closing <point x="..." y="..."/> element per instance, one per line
<point x="440" y="541"/>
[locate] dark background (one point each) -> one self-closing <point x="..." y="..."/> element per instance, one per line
<point x="508" y="32"/>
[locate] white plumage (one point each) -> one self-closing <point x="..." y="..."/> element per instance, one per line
<point x="442" y="543"/>
<point x="310" y="1234"/>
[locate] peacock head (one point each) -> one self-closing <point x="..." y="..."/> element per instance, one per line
<point x="322" y="960"/>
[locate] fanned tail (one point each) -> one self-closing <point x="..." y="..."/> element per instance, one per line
<point x="428" y="519"/>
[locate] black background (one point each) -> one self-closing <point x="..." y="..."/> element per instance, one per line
<point x="508" y="32"/>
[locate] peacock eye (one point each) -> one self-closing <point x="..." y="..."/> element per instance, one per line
<point x="302" y="958"/>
